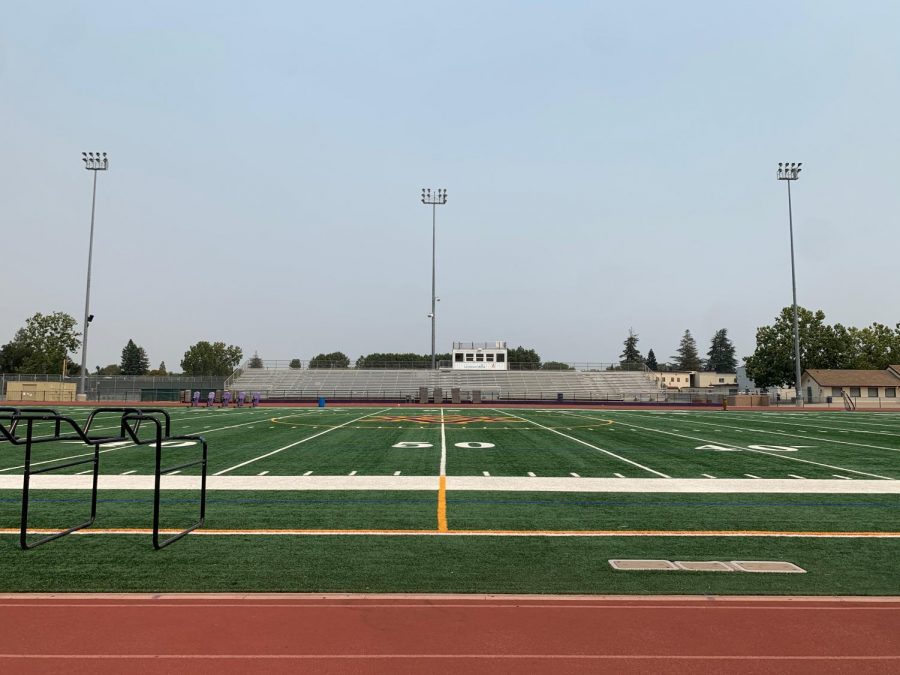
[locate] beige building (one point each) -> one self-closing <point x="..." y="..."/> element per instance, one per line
<point x="705" y="380"/>
<point x="694" y="379"/>
<point x="40" y="391"/>
<point x="819" y="384"/>
<point x="675" y="379"/>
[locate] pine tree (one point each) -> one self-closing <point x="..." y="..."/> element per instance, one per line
<point x="721" y="354"/>
<point x="651" y="361"/>
<point x="687" y="358"/>
<point x="255" y="361"/>
<point x="134" y="360"/>
<point x="631" y="357"/>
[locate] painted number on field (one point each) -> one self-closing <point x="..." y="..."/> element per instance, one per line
<point x="764" y="448"/>
<point x="475" y="445"/>
<point x="412" y="444"/>
<point x="777" y="448"/>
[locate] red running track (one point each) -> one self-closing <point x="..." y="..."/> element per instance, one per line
<point x="446" y="634"/>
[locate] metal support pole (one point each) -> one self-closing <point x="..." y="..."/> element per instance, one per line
<point x="439" y="197"/>
<point x="87" y="294"/>
<point x="433" y="288"/>
<point x="798" y="385"/>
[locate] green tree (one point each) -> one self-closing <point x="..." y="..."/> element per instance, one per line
<point x="111" y="369"/>
<point x="295" y="364"/>
<point x="161" y="371"/>
<point x="332" y="360"/>
<point x="631" y="358"/>
<point x="721" y="357"/>
<point x="651" y="361"/>
<point x="876" y="346"/>
<point x="821" y="346"/>
<point x="134" y="360"/>
<point x="255" y="361"/>
<point x="555" y="365"/>
<point x="687" y="357"/>
<point x="521" y="358"/>
<point x="205" y="358"/>
<point x="43" y="345"/>
<point x="13" y="355"/>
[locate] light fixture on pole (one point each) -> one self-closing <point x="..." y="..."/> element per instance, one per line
<point x="93" y="161"/>
<point x="789" y="173"/>
<point x="438" y="197"/>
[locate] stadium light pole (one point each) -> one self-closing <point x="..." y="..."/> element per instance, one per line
<point x="92" y="162"/>
<point x="789" y="173"/>
<point x="439" y="197"/>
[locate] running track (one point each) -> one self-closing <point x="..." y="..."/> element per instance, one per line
<point x="446" y="634"/>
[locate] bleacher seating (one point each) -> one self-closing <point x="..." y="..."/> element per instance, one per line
<point x="400" y="385"/>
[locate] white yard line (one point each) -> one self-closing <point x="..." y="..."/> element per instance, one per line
<point x="804" y="437"/>
<point x="291" y="445"/>
<point x="815" y="424"/>
<point x="480" y="483"/>
<point x="745" y="449"/>
<point x="593" y="447"/>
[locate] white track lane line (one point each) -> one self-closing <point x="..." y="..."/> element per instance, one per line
<point x="593" y="447"/>
<point x="291" y="445"/>
<point x="739" y="447"/>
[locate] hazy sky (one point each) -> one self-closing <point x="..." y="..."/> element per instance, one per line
<point x="609" y="165"/>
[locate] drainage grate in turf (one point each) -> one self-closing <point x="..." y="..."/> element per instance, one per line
<point x="756" y="566"/>
<point x="770" y="566"/>
<point x="704" y="566"/>
<point x="642" y="565"/>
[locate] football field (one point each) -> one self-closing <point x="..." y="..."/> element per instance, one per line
<point x="476" y="499"/>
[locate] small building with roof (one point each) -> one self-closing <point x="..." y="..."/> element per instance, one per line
<point x="821" y="383"/>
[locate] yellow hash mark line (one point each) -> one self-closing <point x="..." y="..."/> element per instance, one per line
<point x="496" y="533"/>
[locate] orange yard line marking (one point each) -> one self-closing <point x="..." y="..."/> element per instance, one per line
<point x="481" y="533"/>
<point x="442" y="505"/>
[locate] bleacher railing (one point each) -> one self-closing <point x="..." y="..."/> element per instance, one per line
<point x="295" y="364"/>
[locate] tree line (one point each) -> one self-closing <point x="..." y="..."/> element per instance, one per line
<point x="821" y="346"/>
<point x="46" y="343"/>
<point x="719" y="359"/>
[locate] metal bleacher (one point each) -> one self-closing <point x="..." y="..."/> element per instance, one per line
<point x="286" y="384"/>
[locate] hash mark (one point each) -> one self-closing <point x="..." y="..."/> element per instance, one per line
<point x="352" y="473"/>
<point x="308" y="473"/>
<point x="396" y="473"/>
<point x="708" y="475"/>
<point x="750" y="475"/>
<point x="262" y="473"/>
<point x="485" y="473"/>
<point x="844" y="477"/>
<point x="531" y="473"/>
<point x="572" y="473"/>
<point x="795" y="476"/>
<point x="618" y="475"/>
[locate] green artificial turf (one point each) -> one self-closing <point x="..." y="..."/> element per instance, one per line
<point x="548" y="443"/>
<point x="443" y="564"/>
